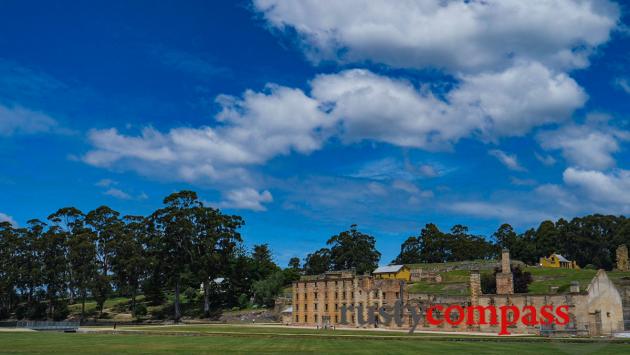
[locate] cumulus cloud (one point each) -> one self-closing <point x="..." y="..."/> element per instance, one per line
<point x="250" y="130"/>
<point x="612" y="188"/>
<point x="6" y="218"/>
<point x="511" y="102"/>
<point x="371" y="106"/>
<point x="353" y="105"/>
<point x="118" y="193"/>
<point x="509" y="60"/>
<point x="589" y="146"/>
<point x="460" y="36"/>
<point x="246" y="198"/>
<point x="18" y="119"/>
<point x="509" y="160"/>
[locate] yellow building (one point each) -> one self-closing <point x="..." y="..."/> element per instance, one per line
<point x="399" y="272"/>
<point x="558" y="261"/>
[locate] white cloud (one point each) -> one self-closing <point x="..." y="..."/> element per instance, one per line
<point x="354" y="105"/>
<point x="522" y="182"/>
<point x="428" y="170"/>
<point x="106" y="183"/>
<point x="6" y="218"/>
<point x="370" y="106"/>
<point x="588" y="146"/>
<point x="18" y="119"/>
<point x="405" y="186"/>
<point x="251" y="131"/>
<point x="612" y="188"/>
<point x="118" y="193"/>
<point x="246" y="198"/>
<point x="457" y="35"/>
<point x="505" y="211"/>
<point x="623" y="84"/>
<point x="509" y="160"/>
<point x="512" y="101"/>
<point x="547" y="160"/>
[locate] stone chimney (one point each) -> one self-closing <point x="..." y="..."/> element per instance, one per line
<point x="505" y="281"/>
<point x="575" y="287"/>
<point x="475" y="286"/>
<point x="475" y="292"/>
<point x="505" y="261"/>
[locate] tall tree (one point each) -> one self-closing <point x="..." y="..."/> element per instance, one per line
<point x="262" y="262"/>
<point x="294" y="263"/>
<point x="352" y="249"/>
<point x="107" y="227"/>
<point x="82" y="260"/>
<point x="318" y="262"/>
<point x="216" y="238"/>
<point x="9" y="273"/>
<point x="129" y="262"/>
<point x="54" y="266"/>
<point x="68" y="222"/>
<point x="410" y="252"/>
<point x="30" y="261"/>
<point x="176" y="226"/>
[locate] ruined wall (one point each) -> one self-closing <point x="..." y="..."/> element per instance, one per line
<point x="604" y="304"/>
<point x="622" y="258"/>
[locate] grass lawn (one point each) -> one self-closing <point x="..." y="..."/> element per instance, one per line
<point x="60" y="343"/>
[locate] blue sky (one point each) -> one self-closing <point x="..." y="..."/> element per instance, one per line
<point x="305" y="117"/>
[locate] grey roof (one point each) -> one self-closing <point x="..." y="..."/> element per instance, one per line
<point x="562" y="258"/>
<point x="288" y="310"/>
<point x="387" y="269"/>
<point x="219" y="280"/>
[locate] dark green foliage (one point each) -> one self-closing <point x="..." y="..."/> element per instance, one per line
<point x="140" y="311"/>
<point x="435" y="246"/>
<point x="318" y="262"/>
<point x="521" y="280"/>
<point x="266" y="290"/>
<point x="587" y="240"/>
<point x="294" y="263"/>
<point x="353" y="250"/>
<point x="488" y="283"/>
<point x="75" y="257"/>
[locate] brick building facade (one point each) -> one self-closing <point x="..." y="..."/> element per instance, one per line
<point x="319" y="300"/>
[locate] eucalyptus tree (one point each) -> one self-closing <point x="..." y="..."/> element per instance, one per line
<point x="107" y="226"/>
<point x="353" y="249"/>
<point x="31" y="258"/>
<point x="54" y="273"/>
<point x="216" y="238"/>
<point x="175" y="228"/>
<point x="8" y="269"/>
<point x="129" y="262"/>
<point x="67" y="221"/>
<point x="82" y="260"/>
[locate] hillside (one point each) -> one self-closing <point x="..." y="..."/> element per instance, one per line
<point x="455" y="276"/>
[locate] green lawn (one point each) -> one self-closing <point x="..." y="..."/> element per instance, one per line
<point x="282" y="330"/>
<point x="60" y="343"/>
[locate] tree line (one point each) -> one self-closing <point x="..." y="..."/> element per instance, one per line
<point x="590" y="240"/>
<point x="73" y="256"/>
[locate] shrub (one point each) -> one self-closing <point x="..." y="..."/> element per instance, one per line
<point x="61" y="311"/>
<point x="191" y="294"/>
<point x="140" y="311"/>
